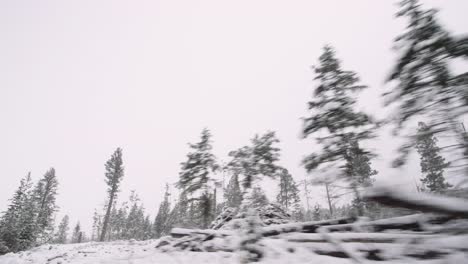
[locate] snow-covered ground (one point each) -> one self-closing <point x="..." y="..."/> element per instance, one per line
<point x="144" y="252"/>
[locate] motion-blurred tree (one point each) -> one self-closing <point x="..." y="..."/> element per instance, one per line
<point x="333" y="120"/>
<point x="426" y="87"/>
<point x="196" y="176"/>
<point x="258" y="159"/>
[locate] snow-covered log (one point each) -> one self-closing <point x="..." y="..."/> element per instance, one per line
<point x="358" y="237"/>
<point x="305" y="227"/>
<point x="182" y="232"/>
<point x="408" y="222"/>
<point x="425" y="202"/>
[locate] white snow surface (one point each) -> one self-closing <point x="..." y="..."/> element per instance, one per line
<point x="144" y="252"/>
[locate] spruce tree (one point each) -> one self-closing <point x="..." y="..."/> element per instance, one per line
<point x="147" y="228"/>
<point x="97" y="226"/>
<point x="233" y="192"/>
<point x="256" y="198"/>
<point x="196" y="176"/>
<point x="27" y="222"/>
<point x="180" y="216"/>
<point x="359" y="171"/>
<point x="62" y="232"/>
<point x="45" y="195"/>
<point x="206" y="206"/>
<point x="288" y="195"/>
<point x="113" y="176"/>
<point x="196" y="172"/>
<point x="16" y="226"/>
<point x="135" y="219"/>
<point x="424" y="85"/>
<point x="258" y="159"/>
<point x="432" y="163"/>
<point x="161" y="220"/>
<point x="334" y="122"/>
<point x="77" y="235"/>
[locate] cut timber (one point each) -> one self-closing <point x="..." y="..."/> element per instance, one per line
<point x="358" y="237"/>
<point x="427" y="249"/>
<point x="182" y="232"/>
<point x="305" y="227"/>
<point x="425" y="202"/>
<point x="407" y="222"/>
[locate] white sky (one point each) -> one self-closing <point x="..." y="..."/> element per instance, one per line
<point x="81" y="78"/>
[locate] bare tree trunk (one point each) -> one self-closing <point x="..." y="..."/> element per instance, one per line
<point x="330" y="206"/>
<point x="306" y="190"/>
<point x="359" y="207"/>
<point x="106" y="218"/>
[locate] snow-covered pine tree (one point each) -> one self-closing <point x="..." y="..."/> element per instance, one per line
<point x="45" y="193"/>
<point x="113" y="176"/>
<point x="288" y="195"/>
<point x="195" y="178"/>
<point x="112" y="232"/>
<point x="160" y="222"/>
<point x="77" y="235"/>
<point x="97" y="226"/>
<point x="359" y="174"/>
<point x="432" y="163"/>
<point x="333" y="112"/>
<point x="258" y="159"/>
<point x="425" y="86"/>
<point x="27" y="221"/>
<point x="135" y="220"/>
<point x="12" y="220"/>
<point x="256" y="198"/>
<point x="62" y="232"/>
<point x="233" y="193"/>
<point x="179" y="216"/>
<point x="147" y="228"/>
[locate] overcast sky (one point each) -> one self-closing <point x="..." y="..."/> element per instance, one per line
<point x="80" y="78"/>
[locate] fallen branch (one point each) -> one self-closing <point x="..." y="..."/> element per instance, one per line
<point x="56" y="257"/>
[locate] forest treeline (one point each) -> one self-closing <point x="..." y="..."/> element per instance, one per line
<point x="423" y="89"/>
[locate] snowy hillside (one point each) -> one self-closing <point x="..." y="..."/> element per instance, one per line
<point x="144" y="252"/>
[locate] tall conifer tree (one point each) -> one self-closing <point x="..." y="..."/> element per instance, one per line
<point x="113" y="176"/>
<point x="432" y="163"/>
<point x="425" y="86"/>
<point x="45" y="195"/>
<point x="62" y="232"/>
<point x="161" y="220"/>
<point x="233" y="192"/>
<point x="333" y="121"/>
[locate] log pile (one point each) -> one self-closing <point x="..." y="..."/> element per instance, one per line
<point x="438" y="231"/>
